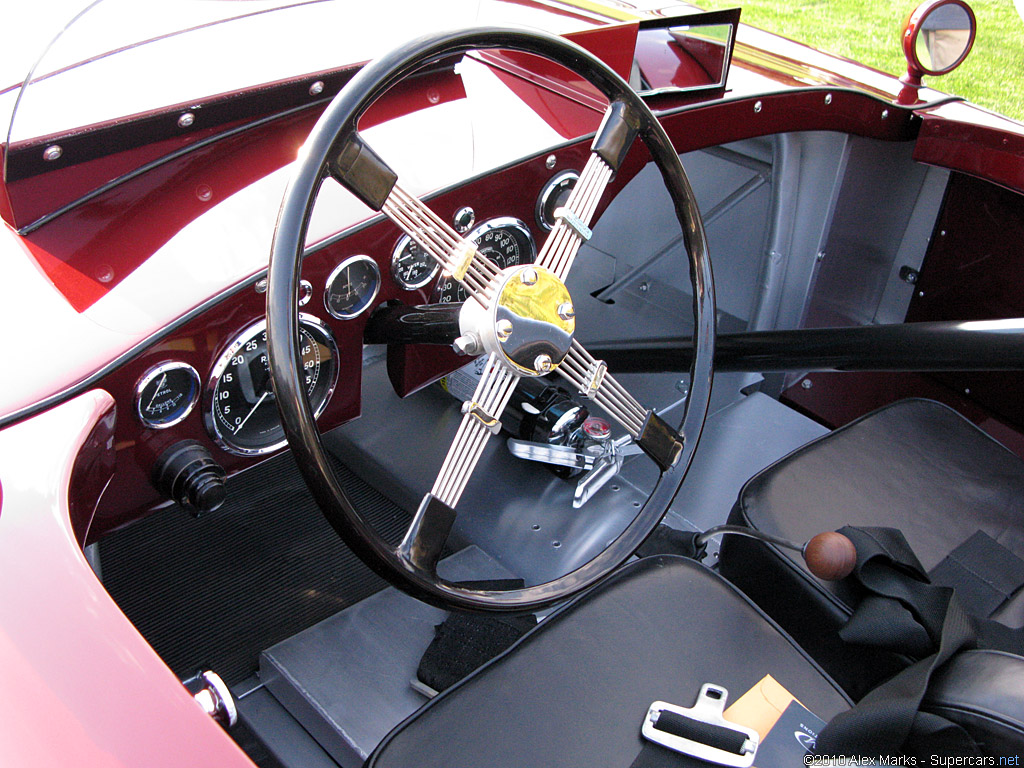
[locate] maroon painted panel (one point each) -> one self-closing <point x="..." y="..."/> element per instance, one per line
<point x="980" y="150"/>
<point x="838" y="398"/>
<point x="510" y="192"/>
<point x="973" y="271"/>
<point x="128" y="223"/>
<point x="845" y="111"/>
<point x="92" y="472"/>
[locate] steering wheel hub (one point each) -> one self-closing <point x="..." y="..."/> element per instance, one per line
<point x="529" y="322"/>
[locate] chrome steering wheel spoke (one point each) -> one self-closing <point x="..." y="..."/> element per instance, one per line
<point x="362" y="172"/>
<point x="572" y="225"/>
<point x="457" y="256"/>
<point x="481" y="418"/>
<point x="591" y="378"/>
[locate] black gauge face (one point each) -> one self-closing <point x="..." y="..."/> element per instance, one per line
<point x="553" y="196"/>
<point x="505" y="241"/>
<point x="166" y="394"/>
<point x="411" y="266"/>
<point x="352" y="287"/>
<point x="242" y="413"/>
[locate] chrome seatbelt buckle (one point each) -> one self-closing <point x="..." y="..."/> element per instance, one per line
<point x="702" y="730"/>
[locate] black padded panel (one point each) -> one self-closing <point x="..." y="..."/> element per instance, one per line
<point x="915" y="465"/>
<point x="984" y="692"/>
<point x="574" y="691"/>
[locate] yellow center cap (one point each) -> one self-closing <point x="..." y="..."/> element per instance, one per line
<point x="534" y="320"/>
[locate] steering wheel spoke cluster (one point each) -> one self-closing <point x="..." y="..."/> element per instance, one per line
<point x="522" y="317"/>
<point x="572" y="225"/>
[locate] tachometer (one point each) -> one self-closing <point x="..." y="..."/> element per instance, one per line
<point x="505" y="241"/>
<point x="241" y="414"/>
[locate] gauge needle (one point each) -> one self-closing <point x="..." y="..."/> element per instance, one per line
<point x="251" y="411"/>
<point x="159" y="389"/>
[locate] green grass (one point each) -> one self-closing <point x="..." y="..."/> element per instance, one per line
<point x="869" y="31"/>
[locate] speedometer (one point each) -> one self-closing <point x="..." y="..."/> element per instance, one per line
<point x="241" y="413"/>
<point x="507" y="242"/>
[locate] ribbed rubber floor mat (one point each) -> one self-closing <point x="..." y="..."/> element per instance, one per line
<point x="213" y="592"/>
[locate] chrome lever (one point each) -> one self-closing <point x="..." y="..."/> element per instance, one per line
<point x="599" y="459"/>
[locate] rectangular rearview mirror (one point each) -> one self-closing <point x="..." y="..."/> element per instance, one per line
<point x="684" y="53"/>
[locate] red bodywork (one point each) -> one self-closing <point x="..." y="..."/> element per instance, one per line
<point x="80" y="685"/>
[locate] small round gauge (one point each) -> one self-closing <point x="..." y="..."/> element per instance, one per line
<point x="352" y="287"/>
<point x="411" y="266"/>
<point x="242" y="415"/>
<point x="507" y="242"/>
<point x="553" y="196"/>
<point x="165" y="394"/>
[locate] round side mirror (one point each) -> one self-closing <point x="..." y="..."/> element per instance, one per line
<point x="937" y="36"/>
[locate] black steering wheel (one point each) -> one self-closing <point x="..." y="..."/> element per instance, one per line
<point x="521" y="317"/>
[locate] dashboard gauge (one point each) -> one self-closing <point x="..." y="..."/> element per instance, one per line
<point x="553" y="196"/>
<point x="411" y="266"/>
<point x="242" y="414"/>
<point x="352" y="287"/>
<point x="165" y="394"/>
<point x="505" y="241"/>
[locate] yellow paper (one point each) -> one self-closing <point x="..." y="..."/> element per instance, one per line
<point x="760" y="707"/>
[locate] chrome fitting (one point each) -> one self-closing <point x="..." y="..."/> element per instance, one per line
<point x="216" y="700"/>
<point x="467" y="344"/>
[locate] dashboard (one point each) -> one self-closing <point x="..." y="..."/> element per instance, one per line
<point x="202" y="379"/>
<point x="206" y="381"/>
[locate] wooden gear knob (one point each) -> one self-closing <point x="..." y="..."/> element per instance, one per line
<point x="830" y="556"/>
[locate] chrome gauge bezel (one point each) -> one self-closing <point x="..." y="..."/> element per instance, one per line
<point x="240" y="339"/>
<point x="400" y="246"/>
<point x="475" y="235"/>
<point x="546" y="192"/>
<point x="506" y="222"/>
<point x="149" y="376"/>
<point x="371" y="296"/>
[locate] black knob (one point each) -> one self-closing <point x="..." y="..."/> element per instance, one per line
<point x="188" y="474"/>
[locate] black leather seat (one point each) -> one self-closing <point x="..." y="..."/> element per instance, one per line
<point x="915" y="465"/>
<point x="575" y="691"/>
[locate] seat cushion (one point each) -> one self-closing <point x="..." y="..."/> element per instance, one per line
<point x="574" y="691"/>
<point x="915" y="465"/>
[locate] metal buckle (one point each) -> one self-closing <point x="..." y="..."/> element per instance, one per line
<point x="708" y="709"/>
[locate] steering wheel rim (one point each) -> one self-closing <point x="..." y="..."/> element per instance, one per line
<point x="335" y="127"/>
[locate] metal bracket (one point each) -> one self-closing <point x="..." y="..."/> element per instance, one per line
<point x="574" y="222"/>
<point x="596" y="374"/>
<point x="462" y="256"/>
<point x="474" y="410"/>
<point x="702" y="730"/>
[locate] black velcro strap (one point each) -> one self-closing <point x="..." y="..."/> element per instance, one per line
<point x="465" y="641"/>
<point x="984" y="573"/>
